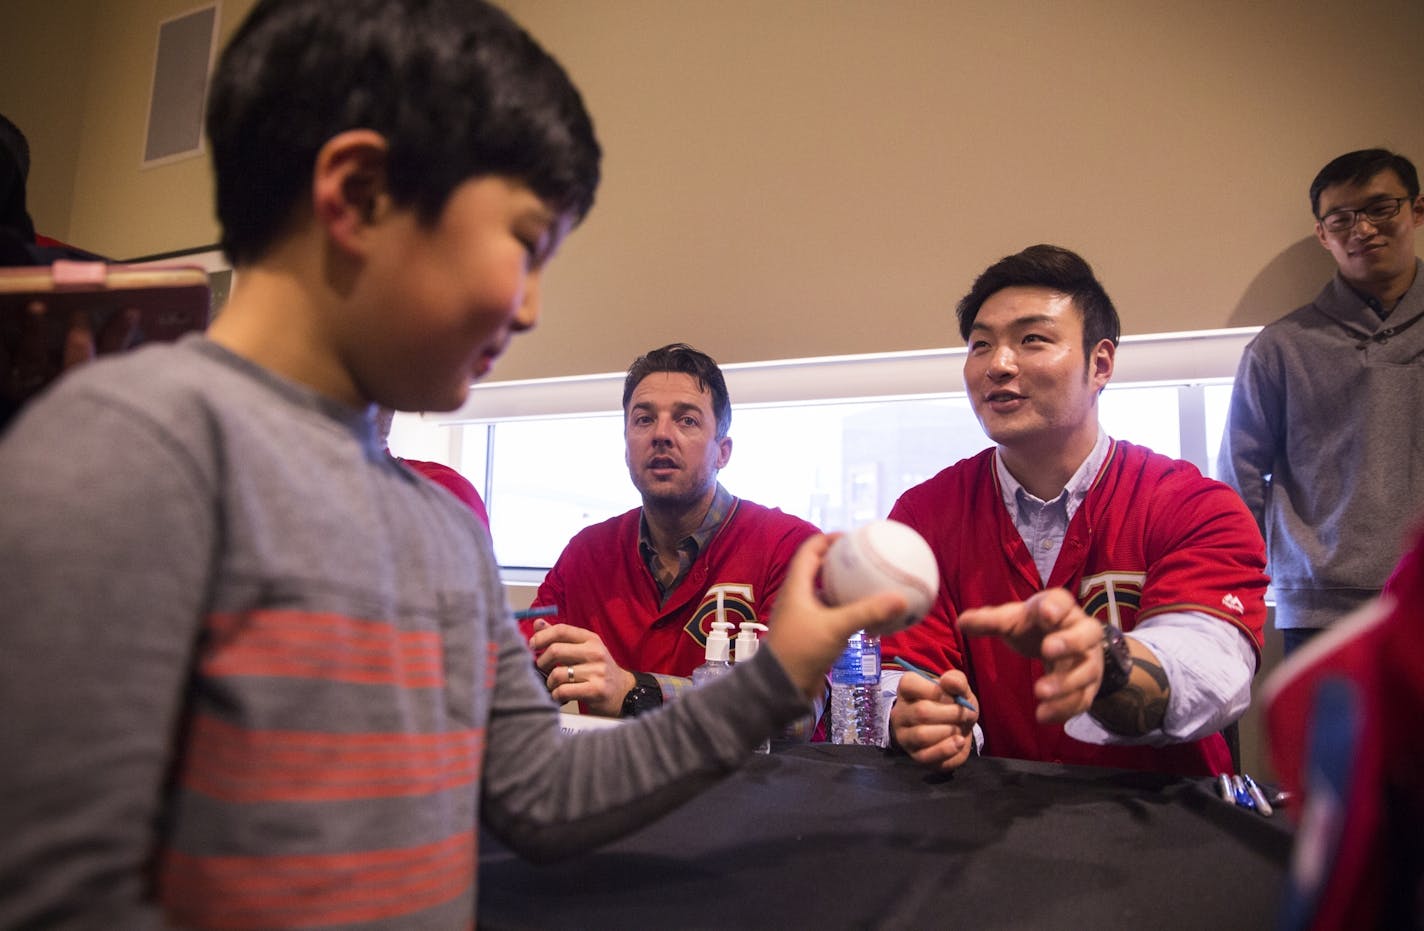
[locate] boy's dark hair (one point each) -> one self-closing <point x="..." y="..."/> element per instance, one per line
<point x="1045" y="266"/>
<point x="456" y="87"/>
<point x="1359" y="167"/>
<point x="680" y="357"/>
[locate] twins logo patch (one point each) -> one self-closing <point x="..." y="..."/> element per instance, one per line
<point x="738" y="603"/>
<point x="1112" y="597"/>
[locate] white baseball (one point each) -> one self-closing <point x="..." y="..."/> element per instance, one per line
<point x="882" y="556"/>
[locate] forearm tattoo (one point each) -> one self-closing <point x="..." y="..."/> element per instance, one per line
<point x="1138" y="707"/>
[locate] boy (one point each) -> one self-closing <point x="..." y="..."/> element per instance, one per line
<point x="254" y="673"/>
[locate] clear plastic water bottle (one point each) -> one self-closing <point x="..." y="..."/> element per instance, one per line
<point x="855" y="694"/>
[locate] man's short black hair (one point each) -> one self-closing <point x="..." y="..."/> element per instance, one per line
<point x="680" y="357"/>
<point x="1358" y="168"/>
<point x="1045" y="266"/>
<point x="457" y="89"/>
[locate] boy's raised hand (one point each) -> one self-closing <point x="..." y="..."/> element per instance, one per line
<point x="805" y="634"/>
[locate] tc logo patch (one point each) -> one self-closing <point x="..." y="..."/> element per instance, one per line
<point x="1112" y="597"/>
<point x="738" y="603"/>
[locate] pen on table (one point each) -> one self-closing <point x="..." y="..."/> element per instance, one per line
<point x="908" y="666"/>
<point x="1243" y="798"/>
<point x="1257" y="796"/>
<point x="545" y="611"/>
<point x="1224" y="788"/>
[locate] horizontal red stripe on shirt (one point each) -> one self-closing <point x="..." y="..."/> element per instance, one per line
<point x="321" y="645"/>
<point x="311" y="890"/>
<point x="227" y="762"/>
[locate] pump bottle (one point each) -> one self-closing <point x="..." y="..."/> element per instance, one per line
<point x="747" y="644"/>
<point x="717" y="662"/>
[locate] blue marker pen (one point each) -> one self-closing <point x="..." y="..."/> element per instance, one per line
<point x="1243" y="798"/>
<point x="545" y="611"/>
<point x="1257" y="796"/>
<point x="959" y="700"/>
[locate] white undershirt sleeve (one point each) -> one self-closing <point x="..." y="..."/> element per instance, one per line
<point x="1209" y="665"/>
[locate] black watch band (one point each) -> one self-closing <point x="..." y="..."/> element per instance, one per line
<point x="1117" y="661"/>
<point x="645" y="695"/>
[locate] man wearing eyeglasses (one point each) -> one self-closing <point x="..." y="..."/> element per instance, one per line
<point x="1325" y="440"/>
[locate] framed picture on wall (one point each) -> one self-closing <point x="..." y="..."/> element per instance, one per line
<point x="182" y="61"/>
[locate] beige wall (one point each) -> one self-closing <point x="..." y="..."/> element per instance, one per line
<point x="43" y="99"/>
<point x="80" y="92"/>
<point x="805" y="177"/>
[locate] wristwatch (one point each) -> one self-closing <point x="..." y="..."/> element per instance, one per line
<point x="1117" y="661"/>
<point x="645" y="695"/>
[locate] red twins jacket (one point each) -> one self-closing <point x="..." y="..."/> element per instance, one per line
<point x="1152" y="536"/>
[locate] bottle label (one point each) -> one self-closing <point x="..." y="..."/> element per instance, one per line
<point x="856" y="666"/>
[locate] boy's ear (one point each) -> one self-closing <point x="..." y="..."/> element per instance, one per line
<point x="349" y="186"/>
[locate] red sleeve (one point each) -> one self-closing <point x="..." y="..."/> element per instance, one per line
<point x="1410" y="571"/>
<point x="1207" y="556"/>
<point x="779" y="559"/>
<point x="455" y="483"/>
<point x="1343" y="719"/>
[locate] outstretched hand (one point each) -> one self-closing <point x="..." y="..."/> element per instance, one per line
<point x="1052" y="627"/>
<point x="805" y="634"/>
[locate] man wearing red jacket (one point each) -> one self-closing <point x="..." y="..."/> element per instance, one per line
<point x="1101" y="604"/>
<point x="636" y="595"/>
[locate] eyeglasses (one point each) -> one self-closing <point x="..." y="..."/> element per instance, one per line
<point x="1341" y="221"/>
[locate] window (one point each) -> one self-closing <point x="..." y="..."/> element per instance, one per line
<point x="552" y="478"/>
<point x="835" y="441"/>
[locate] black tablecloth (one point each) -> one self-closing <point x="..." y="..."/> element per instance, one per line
<point x="822" y="836"/>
